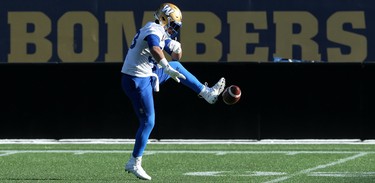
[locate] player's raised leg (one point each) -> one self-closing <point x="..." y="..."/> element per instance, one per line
<point x="210" y="94"/>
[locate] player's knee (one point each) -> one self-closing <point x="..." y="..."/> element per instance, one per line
<point x="150" y="122"/>
<point x="149" y="125"/>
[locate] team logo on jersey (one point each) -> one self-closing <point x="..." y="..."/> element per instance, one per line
<point x="167" y="10"/>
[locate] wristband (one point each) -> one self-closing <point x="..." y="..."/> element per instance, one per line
<point x="164" y="63"/>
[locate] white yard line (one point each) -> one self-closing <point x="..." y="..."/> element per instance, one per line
<point x="8" y="153"/>
<point x="342" y="174"/>
<point x="306" y="171"/>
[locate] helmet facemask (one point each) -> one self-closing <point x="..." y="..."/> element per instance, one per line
<point x="172" y="28"/>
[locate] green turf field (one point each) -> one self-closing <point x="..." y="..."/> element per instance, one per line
<point x="299" y="163"/>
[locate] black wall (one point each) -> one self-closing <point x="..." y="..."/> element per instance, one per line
<point x="279" y="101"/>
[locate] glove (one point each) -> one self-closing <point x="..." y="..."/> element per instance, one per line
<point x="173" y="73"/>
<point x="170" y="71"/>
<point x="174" y="46"/>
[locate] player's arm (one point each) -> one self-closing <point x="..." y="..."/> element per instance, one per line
<point x="156" y="51"/>
<point x="173" y="48"/>
<point x="176" y="56"/>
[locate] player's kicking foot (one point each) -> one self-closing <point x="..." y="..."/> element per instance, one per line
<point x="134" y="166"/>
<point x="212" y="94"/>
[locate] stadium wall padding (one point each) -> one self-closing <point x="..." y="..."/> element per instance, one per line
<point x="279" y="101"/>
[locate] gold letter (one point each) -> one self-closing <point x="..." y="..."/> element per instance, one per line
<point x="90" y="37"/>
<point x="356" y="42"/>
<point x="240" y="38"/>
<point x="285" y="38"/>
<point x="20" y="37"/>
<point x="119" y="24"/>
<point x="191" y="38"/>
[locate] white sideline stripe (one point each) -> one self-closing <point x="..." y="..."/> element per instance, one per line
<point x="151" y="152"/>
<point x="187" y="141"/>
<point x="307" y="171"/>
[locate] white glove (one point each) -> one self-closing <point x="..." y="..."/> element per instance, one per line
<point x="170" y="71"/>
<point x="174" y="46"/>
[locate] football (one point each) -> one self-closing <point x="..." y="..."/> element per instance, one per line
<point x="231" y="95"/>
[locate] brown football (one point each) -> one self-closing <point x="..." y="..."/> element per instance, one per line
<point x="231" y="95"/>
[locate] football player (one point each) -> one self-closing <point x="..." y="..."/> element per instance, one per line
<point x="145" y="67"/>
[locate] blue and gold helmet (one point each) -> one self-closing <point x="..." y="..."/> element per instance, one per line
<point x="170" y="17"/>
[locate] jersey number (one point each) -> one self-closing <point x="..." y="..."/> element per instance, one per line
<point x="134" y="40"/>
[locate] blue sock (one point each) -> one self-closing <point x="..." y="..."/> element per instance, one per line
<point x="191" y="81"/>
